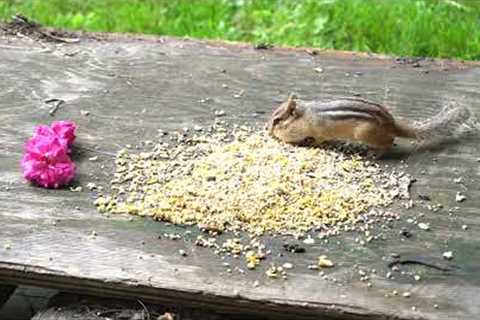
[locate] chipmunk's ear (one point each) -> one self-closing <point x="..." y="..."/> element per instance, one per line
<point x="292" y="97"/>
<point x="291" y="104"/>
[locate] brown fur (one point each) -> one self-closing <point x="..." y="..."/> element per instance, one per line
<point x="361" y="121"/>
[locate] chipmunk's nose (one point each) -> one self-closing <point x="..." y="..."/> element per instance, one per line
<point x="269" y="129"/>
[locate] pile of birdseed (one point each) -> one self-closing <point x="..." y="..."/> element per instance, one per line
<point x="243" y="180"/>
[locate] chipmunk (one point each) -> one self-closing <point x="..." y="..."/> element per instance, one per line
<point x="359" y="120"/>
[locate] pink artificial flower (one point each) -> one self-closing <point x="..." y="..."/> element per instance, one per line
<point x="46" y="161"/>
<point x="63" y="130"/>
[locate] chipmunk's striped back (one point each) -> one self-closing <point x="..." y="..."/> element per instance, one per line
<point x="351" y="109"/>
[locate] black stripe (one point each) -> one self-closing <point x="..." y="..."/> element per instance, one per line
<point x="363" y="106"/>
<point x="349" y="114"/>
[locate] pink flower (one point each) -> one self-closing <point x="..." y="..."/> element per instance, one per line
<point x="46" y="161"/>
<point x="63" y="130"/>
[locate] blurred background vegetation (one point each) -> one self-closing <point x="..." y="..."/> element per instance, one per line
<point x="434" y="28"/>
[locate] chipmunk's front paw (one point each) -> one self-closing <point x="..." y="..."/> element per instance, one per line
<point x="308" y="142"/>
<point x="376" y="154"/>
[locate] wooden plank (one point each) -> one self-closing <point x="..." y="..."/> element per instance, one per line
<point x="5" y="292"/>
<point x="134" y="86"/>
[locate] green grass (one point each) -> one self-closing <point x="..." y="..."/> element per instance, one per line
<point x="435" y="28"/>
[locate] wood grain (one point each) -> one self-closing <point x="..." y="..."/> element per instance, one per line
<point x="134" y="86"/>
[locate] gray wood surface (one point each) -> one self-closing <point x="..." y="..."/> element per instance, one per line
<point x="133" y="86"/>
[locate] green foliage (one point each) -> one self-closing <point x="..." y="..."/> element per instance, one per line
<point x="436" y="28"/>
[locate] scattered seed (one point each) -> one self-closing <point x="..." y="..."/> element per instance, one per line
<point x="409" y="204"/>
<point x="76" y="189"/>
<point x="459" y="197"/>
<point x="406" y="294"/>
<point x="91" y="186"/>
<point x="211" y="178"/>
<point x="205" y="100"/>
<point x="272" y="272"/>
<point x="309" y="240"/>
<point x="239" y="94"/>
<point x="287" y="265"/>
<point x="324" y="262"/>
<point x="294" y="248"/>
<point x="219" y="113"/>
<point x="424" y="226"/>
<point x="182" y="252"/>
<point x="448" y="255"/>
<point x="252" y="259"/>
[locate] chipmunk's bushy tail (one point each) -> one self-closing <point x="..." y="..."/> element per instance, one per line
<point x="453" y="122"/>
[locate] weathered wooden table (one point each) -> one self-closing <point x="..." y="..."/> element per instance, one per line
<point x="134" y="86"/>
